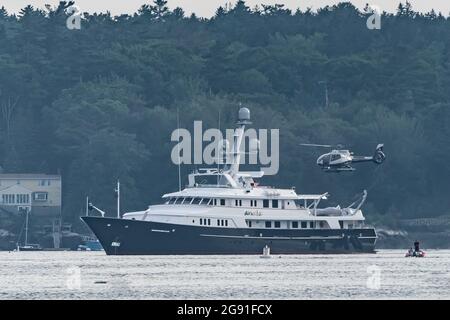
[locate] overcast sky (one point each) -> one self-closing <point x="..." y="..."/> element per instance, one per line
<point x="206" y="8"/>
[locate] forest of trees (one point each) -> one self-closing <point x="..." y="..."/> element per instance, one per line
<point x="100" y="103"/>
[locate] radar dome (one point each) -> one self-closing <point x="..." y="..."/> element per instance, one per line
<point x="244" y="115"/>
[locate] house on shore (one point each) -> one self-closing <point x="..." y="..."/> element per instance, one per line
<point x="38" y="194"/>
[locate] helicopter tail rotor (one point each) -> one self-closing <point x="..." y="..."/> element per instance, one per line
<point x="379" y="155"/>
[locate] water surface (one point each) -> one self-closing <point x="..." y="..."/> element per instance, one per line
<point x="93" y="275"/>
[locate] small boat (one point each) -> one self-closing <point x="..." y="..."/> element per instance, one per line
<point x="266" y="252"/>
<point x="27" y="246"/>
<point x="30" y="247"/>
<point x="417" y="254"/>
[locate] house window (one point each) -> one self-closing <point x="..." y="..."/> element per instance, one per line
<point x="274" y="203"/>
<point x="222" y="202"/>
<point x="295" y="224"/>
<point x="268" y="224"/>
<point x="304" y="225"/>
<point x="277" y="224"/>
<point x="265" y="203"/>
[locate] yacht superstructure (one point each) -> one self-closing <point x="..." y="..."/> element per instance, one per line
<point x="226" y="211"/>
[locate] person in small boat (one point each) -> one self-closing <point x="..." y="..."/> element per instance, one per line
<point x="416" y="246"/>
<point x="410" y="252"/>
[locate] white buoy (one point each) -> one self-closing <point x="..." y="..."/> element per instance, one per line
<point x="266" y="252"/>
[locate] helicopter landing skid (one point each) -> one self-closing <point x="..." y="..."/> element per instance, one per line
<point x="331" y="169"/>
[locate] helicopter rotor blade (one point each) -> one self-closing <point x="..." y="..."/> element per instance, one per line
<point x="316" y="145"/>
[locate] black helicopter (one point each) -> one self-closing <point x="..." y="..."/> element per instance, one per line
<point x="339" y="159"/>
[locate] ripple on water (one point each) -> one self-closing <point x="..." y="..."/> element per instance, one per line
<point x="50" y="275"/>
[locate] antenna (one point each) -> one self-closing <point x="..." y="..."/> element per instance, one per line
<point x="178" y="151"/>
<point x="218" y="154"/>
<point x="118" y="199"/>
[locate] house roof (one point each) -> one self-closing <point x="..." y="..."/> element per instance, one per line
<point x="29" y="176"/>
<point x="17" y="188"/>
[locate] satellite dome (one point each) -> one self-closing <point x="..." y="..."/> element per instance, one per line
<point x="244" y="116"/>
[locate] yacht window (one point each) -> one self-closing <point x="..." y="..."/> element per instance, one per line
<point x="236" y="202"/>
<point x="201" y="221"/>
<point x="196" y="200"/>
<point x="215" y="202"/>
<point x="210" y="201"/>
<point x="222" y="202"/>
<point x="187" y="200"/>
<point x="321" y="224"/>
<point x="179" y="200"/>
<point x="274" y="203"/>
<point x="255" y="203"/>
<point x="268" y="224"/>
<point x="277" y="224"/>
<point x="226" y="223"/>
<point x="240" y="203"/>
<point x="218" y="222"/>
<point x="172" y="200"/>
<point x="350" y="226"/>
<point x="304" y="225"/>
<point x="249" y="223"/>
<point x="209" y="222"/>
<point x="265" y="203"/>
<point x="295" y="224"/>
<point x="311" y="224"/>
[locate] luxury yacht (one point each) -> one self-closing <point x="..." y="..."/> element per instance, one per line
<point x="234" y="214"/>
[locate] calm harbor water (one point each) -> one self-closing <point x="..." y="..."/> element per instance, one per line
<point x="93" y="275"/>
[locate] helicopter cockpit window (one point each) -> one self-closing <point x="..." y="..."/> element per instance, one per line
<point x="335" y="157"/>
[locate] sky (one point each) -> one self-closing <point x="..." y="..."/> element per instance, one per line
<point x="207" y="8"/>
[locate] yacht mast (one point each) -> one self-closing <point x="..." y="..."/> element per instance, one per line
<point x="244" y="118"/>
<point x="26" y="228"/>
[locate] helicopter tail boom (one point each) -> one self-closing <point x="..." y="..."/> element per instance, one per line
<point x="378" y="156"/>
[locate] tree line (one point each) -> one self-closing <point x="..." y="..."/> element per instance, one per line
<point x="99" y="103"/>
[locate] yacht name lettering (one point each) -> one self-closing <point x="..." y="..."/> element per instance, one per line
<point x="252" y="213"/>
